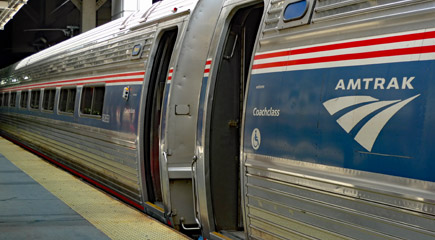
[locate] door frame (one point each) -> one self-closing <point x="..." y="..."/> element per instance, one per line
<point x="203" y="184"/>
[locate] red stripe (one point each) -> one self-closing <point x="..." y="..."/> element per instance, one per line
<point x="169" y="78"/>
<point x="272" y="55"/>
<point x="368" y="42"/>
<point x="360" y="43"/>
<point x="207" y="70"/>
<point x="270" y="65"/>
<point x="208" y="62"/>
<point x="352" y="56"/>
<point x="115" y="81"/>
<point x="171" y="70"/>
<point x="74" y="172"/>
<point x="50" y="85"/>
<point x="75" y="80"/>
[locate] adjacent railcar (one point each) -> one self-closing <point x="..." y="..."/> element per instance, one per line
<point x="339" y="122"/>
<point x="92" y="104"/>
<point x="329" y="115"/>
<point x="280" y="119"/>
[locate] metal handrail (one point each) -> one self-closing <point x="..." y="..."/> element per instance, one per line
<point x="195" y="203"/>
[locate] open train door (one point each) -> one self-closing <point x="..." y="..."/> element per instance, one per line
<point x="220" y="128"/>
<point x="170" y="100"/>
<point x="153" y="103"/>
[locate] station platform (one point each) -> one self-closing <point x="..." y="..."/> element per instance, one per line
<point x="41" y="201"/>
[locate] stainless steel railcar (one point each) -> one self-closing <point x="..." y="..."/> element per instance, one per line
<point x="281" y="119"/>
<point x="92" y="104"/>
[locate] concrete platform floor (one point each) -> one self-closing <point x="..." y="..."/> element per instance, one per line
<point x="41" y="201"/>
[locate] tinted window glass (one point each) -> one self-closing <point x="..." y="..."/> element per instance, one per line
<point x="295" y="10"/>
<point x="13" y="99"/>
<point x="6" y="100"/>
<point x="48" y="101"/>
<point x="23" y="100"/>
<point x="34" y="99"/>
<point x="67" y="100"/>
<point x="1" y="99"/>
<point x="92" y="100"/>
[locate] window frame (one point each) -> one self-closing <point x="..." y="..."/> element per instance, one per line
<point x="48" y="104"/>
<point x="294" y="22"/>
<point x="68" y="100"/>
<point x="93" y="99"/>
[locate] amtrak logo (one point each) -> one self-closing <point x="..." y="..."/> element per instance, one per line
<point x="368" y="133"/>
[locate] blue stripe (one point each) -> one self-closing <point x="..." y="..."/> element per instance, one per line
<point x="123" y="115"/>
<point x="305" y="131"/>
<point x="201" y="112"/>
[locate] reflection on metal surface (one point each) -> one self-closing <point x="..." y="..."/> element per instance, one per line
<point x="364" y="184"/>
<point x="8" y="9"/>
<point x="164" y="173"/>
<point x="283" y="192"/>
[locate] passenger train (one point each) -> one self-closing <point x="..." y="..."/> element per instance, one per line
<point x="245" y="119"/>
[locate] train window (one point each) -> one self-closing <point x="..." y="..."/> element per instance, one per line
<point x="23" y="99"/>
<point x="230" y="45"/>
<point x="67" y="100"/>
<point x="6" y="100"/>
<point x="48" y="100"/>
<point x="295" y="10"/>
<point x="136" y="50"/>
<point x="13" y="100"/>
<point x="1" y="99"/>
<point x="34" y="99"/>
<point x="92" y="100"/>
<point x="295" y="13"/>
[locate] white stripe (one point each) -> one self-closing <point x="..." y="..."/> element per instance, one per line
<point x="347" y="63"/>
<point x="271" y="60"/>
<point x="360" y="62"/>
<point x="124" y="83"/>
<point x="108" y="84"/>
<point x="363" y="49"/>
<point x="208" y="66"/>
<point x="368" y="134"/>
<point x="352" y="118"/>
<point x="268" y="70"/>
<point x="75" y="82"/>
<point x="381" y="47"/>
<point x="337" y="104"/>
<point x="170" y="73"/>
<point x="349" y="40"/>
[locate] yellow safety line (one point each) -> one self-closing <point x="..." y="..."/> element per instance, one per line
<point x="113" y="218"/>
<point x="155" y="206"/>
<point x="221" y="236"/>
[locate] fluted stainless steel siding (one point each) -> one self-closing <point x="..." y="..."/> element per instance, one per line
<point x="288" y="199"/>
<point x="105" y="156"/>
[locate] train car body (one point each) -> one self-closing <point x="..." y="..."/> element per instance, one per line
<point x="280" y="119"/>
<point x="88" y="103"/>
<point x="333" y="117"/>
<point x="339" y="125"/>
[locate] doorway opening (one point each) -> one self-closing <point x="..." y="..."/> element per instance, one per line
<point x="226" y="117"/>
<point x="153" y="110"/>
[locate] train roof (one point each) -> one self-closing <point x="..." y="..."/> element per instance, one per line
<point x="23" y="70"/>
